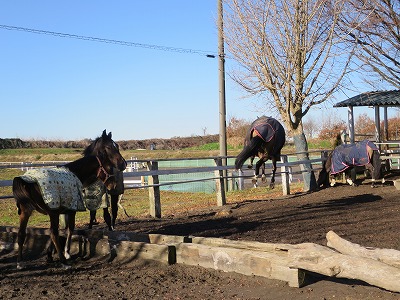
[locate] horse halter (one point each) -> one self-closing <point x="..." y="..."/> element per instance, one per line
<point x="102" y="170"/>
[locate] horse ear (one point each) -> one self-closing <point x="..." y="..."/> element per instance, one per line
<point x="109" y="135"/>
<point x="104" y="133"/>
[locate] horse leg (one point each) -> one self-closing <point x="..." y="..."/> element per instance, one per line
<point x="257" y="171"/>
<point x="25" y="213"/>
<point x="107" y="218"/>
<point x="373" y="173"/>
<point x="92" y="219"/>
<point x="114" y="209"/>
<point x="263" y="177"/>
<point x="70" y="231"/>
<point x="351" y="177"/>
<point x="250" y="166"/>
<point x="332" y="180"/>
<point x="272" y="183"/>
<point x="51" y="249"/>
<point x="54" y="235"/>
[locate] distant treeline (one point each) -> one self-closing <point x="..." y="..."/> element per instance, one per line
<point x="174" y="143"/>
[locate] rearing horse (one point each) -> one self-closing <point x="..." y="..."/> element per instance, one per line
<point x="265" y="139"/>
<point x="30" y="193"/>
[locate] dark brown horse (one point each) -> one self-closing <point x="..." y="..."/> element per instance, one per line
<point x="100" y="157"/>
<point x="345" y="158"/>
<point x="265" y="139"/>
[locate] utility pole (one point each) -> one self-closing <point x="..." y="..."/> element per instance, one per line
<point x="222" y="106"/>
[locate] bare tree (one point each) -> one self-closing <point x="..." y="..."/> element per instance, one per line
<point x="374" y="26"/>
<point x="331" y="127"/>
<point x="310" y="128"/>
<point x="365" y="125"/>
<point x="287" y="52"/>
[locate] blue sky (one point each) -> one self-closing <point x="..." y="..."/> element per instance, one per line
<point x="70" y="89"/>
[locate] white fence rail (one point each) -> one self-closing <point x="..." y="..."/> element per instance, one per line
<point x="146" y="174"/>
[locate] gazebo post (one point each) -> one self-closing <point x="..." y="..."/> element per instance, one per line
<point x="350" y="117"/>
<point x="377" y="125"/>
<point x="385" y="124"/>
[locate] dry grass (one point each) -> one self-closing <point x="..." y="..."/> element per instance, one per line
<point x="136" y="201"/>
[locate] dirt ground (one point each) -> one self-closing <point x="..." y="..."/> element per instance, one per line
<point x="364" y="215"/>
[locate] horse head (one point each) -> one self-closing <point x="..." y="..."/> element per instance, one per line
<point x="108" y="156"/>
<point x="324" y="174"/>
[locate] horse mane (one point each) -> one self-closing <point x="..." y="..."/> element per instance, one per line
<point x="89" y="150"/>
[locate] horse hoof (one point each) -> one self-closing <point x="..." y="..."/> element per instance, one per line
<point x="20" y="266"/>
<point x="65" y="266"/>
<point x="263" y="179"/>
<point x="272" y="185"/>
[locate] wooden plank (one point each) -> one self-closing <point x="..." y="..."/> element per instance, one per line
<point x="127" y="251"/>
<point x="168" y="239"/>
<point x="280" y="249"/>
<point x="240" y="261"/>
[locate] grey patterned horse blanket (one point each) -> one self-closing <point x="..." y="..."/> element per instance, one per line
<point x="60" y="188"/>
<point x="350" y="155"/>
<point x="95" y="196"/>
<point x="267" y="128"/>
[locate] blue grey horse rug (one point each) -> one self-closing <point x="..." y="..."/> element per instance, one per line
<point x="350" y="155"/>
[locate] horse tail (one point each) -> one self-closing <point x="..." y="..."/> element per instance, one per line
<point x="20" y="193"/>
<point x="250" y="149"/>
<point x="376" y="163"/>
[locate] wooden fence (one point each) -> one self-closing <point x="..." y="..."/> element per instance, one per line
<point x="232" y="180"/>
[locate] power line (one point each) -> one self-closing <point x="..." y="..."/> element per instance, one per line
<point x="209" y="54"/>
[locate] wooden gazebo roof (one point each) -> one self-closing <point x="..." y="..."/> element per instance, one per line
<point x="375" y="99"/>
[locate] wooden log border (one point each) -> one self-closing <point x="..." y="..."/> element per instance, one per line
<point x="285" y="262"/>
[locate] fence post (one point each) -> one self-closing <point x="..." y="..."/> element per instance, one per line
<point x="154" y="191"/>
<point x="219" y="183"/>
<point x="285" y="176"/>
<point x="230" y="181"/>
<point x="240" y="180"/>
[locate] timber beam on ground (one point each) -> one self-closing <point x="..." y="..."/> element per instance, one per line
<point x="244" y="257"/>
